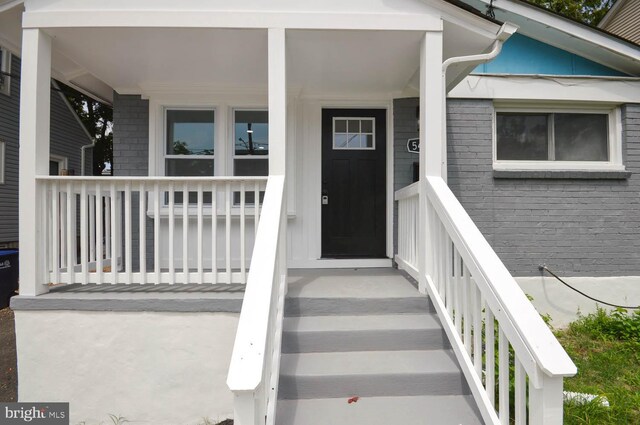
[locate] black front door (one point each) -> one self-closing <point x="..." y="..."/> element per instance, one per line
<point x="354" y="183"/>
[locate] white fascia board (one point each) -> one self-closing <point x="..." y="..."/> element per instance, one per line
<point x="232" y="19"/>
<point x="616" y="90"/>
<point x="459" y="16"/>
<point x="10" y="5"/>
<point x="568" y="27"/>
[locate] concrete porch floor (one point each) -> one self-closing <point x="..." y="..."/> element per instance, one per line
<point x="303" y="283"/>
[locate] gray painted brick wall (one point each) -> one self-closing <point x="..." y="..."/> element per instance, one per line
<point x="578" y="227"/>
<point x="131" y="158"/>
<point x="67" y="136"/>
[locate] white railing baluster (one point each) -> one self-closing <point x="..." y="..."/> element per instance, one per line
<point x="142" y="228"/>
<point x="214" y="232"/>
<point x="200" y="255"/>
<point x="520" y="397"/>
<point x="55" y="224"/>
<point x="114" y="234"/>
<point x="92" y="228"/>
<point x="71" y="218"/>
<point x="185" y="233"/>
<point x="503" y="377"/>
<point x="490" y="357"/>
<point x="227" y="236"/>
<point x="89" y="225"/>
<point x="243" y="262"/>
<point x="100" y="205"/>
<point x="456" y="291"/>
<point x="156" y="232"/>
<point x="84" y="236"/>
<point x="172" y="226"/>
<point x="480" y="304"/>
<point x="128" y="233"/>
<point x="477" y="337"/>
<point x="107" y="226"/>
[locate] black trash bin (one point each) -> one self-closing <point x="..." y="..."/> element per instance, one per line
<point x="8" y="275"/>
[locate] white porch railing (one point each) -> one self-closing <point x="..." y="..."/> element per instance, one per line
<point x="124" y="230"/>
<point x="490" y="322"/>
<point x="255" y="362"/>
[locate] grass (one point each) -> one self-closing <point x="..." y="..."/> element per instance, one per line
<point x="606" y="349"/>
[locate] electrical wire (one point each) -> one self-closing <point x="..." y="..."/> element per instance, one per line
<point x="544" y="268"/>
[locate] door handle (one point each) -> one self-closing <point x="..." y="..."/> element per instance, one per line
<point x="325" y="198"/>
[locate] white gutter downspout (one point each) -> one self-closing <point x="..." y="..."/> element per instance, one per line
<point x="506" y="31"/>
<point x="82" y="155"/>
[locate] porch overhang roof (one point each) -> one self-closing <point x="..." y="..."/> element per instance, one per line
<point x="375" y="45"/>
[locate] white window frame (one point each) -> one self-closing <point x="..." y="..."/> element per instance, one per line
<point x="165" y="156"/>
<point x="2" y="160"/>
<point x="614" y="139"/>
<point x="63" y="162"/>
<point x="5" y="69"/>
<point x="232" y="145"/>
<point x="373" y="133"/>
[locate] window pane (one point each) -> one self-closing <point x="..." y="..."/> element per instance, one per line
<point x="522" y="137"/>
<point x="341" y="126"/>
<point x="251" y="133"/>
<point x="354" y="141"/>
<point x="581" y="137"/>
<point x="354" y="126"/>
<point x="367" y="126"/>
<point x="251" y="167"/>
<point x="189" y="167"/>
<point x="190" y="132"/>
<point x="340" y="141"/>
<point x="367" y="140"/>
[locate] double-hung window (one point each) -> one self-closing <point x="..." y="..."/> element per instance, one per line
<point x="250" y="146"/>
<point x="5" y="71"/>
<point x="190" y="146"/>
<point x="190" y="142"/>
<point x="556" y="139"/>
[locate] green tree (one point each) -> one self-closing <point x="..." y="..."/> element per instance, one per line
<point x="587" y="11"/>
<point x="98" y="120"/>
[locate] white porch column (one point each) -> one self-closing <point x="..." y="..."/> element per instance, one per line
<point x="277" y="70"/>
<point x="35" y="105"/>
<point x="432" y="149"/>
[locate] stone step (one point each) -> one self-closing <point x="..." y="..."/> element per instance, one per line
<point x="370" y="374"/>
<point x="309" y="334"/>
<point x="414" y="410"/>
<point x="296" y="307"/>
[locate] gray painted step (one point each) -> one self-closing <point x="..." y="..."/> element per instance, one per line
<point x="370" y="374"/>
<point x="417" y="410"/>
<point x="295" y="307"/>
<point x="309" y="334"/>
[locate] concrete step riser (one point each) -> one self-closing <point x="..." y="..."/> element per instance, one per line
<point x="296" y="307"/>
<point x="372" y="340"/>
<point x="313" y="387"/>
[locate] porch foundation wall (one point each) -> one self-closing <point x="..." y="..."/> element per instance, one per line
<point x="147" y="367"/>
<point x="586" y="227"/>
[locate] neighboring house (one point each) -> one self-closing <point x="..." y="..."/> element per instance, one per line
<point x="260" y="154"/>
<point x="623" y="19"/>
<point x="68" y="135"/>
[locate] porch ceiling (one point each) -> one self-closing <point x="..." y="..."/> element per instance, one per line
<point x="321" y="62"/>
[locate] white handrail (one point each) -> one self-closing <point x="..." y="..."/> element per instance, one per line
<point x="498" y="284"/>
<point x="97" y="229"/>
<point x="483" y="311"/>
<point x="253" y="371"/>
